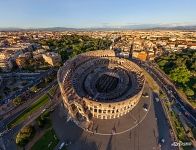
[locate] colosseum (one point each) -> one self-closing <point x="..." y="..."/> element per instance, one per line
<point x="97" y="84"/>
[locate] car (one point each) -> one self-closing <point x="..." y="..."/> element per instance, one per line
<point x="43" y="110"/>
<point x="162" y="140"/>
<point x="157" y="99"/>
<point x="62" y="145"/>
<point x="145" y="95"/>
<point x="68" y="142"/>
<point x="68" y="118"/>
<point x="145" y="107"/>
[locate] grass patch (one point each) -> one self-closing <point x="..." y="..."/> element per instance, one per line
<point x="47" y="142"/>
<point x="151" y="82"/>
<point x="179" y="129"/>
<point x="40" y="102"/>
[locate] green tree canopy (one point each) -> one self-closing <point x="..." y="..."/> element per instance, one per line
<point x="189" y="92"/>
<point x="69" y="46"/>
<point x="34" y="89"/>
<point x="181" y="67"/>
<point x="17" y="101"/>
<point x="180" y="74"/>
<point x="194" y="85"/>
<point x="24" y="135"/>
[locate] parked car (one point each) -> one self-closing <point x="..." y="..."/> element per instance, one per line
<point x="145" y="107"/>
<point x="157" y="99"/>
<point x="145" y="95"/>
<point x="68" y="142"/>
<point x="62" y="145"/>
<point x="161" y="141"/>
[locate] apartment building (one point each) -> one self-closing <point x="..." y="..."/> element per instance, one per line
<point x="6" y="65"/>
<point x="52" y="58"/>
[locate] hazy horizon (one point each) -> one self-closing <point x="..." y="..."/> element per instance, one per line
<point x="94" y="13"/>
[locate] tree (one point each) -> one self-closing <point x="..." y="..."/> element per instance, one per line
<point x="24" y="135"/>
<point x="194" y="85"/>
<point x="34" y="89"/>
<point x="189" y="92"/>
<point x="43" y="120"/>
<point x="180" y="61"/>
<point x="162" y="63"/>
<point x="17" y="101"/>
<point x="180" y="74"/>
<point x="77" y="44"/>
<point x="193" y="65"/>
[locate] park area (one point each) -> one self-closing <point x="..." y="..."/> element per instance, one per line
<point x="47" y="142"/>
<point x="180" y="68"/>
<point x="24" y="115"/>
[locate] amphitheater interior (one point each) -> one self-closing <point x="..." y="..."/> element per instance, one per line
<point x="97" y="84"/>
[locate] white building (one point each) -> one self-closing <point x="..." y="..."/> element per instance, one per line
<point x="52" y="58"/>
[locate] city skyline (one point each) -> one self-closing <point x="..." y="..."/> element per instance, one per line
<point x="77" y="14"/>
<point x="97" y="74"/>
<point x="105" y="87"/>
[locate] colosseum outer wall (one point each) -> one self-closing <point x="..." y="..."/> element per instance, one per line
<point x="101" y="110"/>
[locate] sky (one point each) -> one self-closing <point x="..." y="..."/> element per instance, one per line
<point x="95" y="13"/>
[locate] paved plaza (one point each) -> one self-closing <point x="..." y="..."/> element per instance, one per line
<point x="135" y="131"/>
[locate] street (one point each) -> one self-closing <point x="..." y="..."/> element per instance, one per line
<point x="7" y="137"/>
<point x="163" y="124"/>
<point x="169" y="90"/>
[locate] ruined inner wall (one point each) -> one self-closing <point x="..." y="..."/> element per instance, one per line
<point x="78" y="77"/>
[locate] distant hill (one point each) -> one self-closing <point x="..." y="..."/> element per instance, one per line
<point x="190" y="28"/>
<point x="127" y="27"/>
<point x="39" y="29"/>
